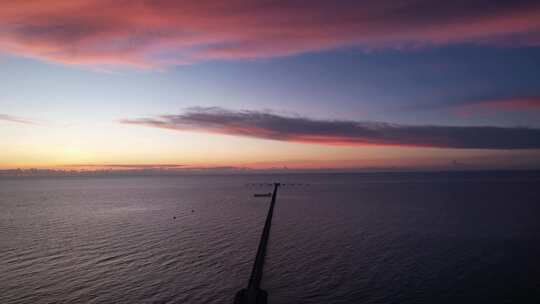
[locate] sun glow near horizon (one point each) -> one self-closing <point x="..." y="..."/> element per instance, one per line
<point x="90" y="84"/>
<point x="77" y="149"/>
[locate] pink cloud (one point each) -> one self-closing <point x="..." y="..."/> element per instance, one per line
<point x="15" y="119"/>
<point x="166" y="32"/>
<point x="499" y="105"/>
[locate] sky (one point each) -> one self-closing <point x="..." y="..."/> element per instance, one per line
<point x="410" y="84"/>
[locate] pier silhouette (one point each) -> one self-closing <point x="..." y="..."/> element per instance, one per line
<point x="253" y="294"/>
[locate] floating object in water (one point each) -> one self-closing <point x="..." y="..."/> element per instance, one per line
<point x="262" y="194"/>
<point x="174" y="217"/>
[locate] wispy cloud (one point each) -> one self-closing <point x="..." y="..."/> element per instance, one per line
<point x="482" y="105"/>
<point x="268" y="125"/>
<point x="498" y="105"/>
<point x="156" y="33"/>
<point x="11" y="118"/>
<point x="126" y="166"/>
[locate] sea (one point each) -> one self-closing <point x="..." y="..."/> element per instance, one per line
<point x="387" y="237"/>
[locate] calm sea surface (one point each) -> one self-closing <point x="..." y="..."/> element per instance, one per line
<point x="345" y="238"/>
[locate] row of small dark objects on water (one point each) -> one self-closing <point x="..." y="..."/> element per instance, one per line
<point x="270" y="184"/>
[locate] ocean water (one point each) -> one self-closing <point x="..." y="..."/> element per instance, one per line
<point x="344" y="238"/>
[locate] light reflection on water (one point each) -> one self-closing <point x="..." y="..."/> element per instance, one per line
<point x="431" y="238"/>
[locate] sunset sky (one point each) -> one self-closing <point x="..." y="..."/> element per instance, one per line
<point x="412" y="84"/>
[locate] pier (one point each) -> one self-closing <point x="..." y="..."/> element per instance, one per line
<point x="253" y="294"/>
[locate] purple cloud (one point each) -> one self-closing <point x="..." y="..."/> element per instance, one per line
<point x="267" y="125"/>
<point x="165" y="32"/>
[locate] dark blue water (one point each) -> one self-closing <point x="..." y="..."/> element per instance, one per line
<point x="349" y="238"/>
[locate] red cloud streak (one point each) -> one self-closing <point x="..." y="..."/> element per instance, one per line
<point x="165" y="32"/>
<point x="497" y="105"/>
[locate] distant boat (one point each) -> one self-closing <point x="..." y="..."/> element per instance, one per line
<point x="262" y="194"/>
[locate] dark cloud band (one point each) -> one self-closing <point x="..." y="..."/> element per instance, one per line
<point x="267" y="125"/>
